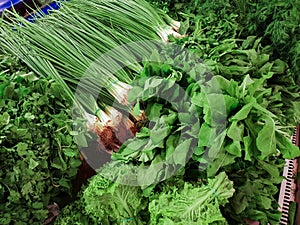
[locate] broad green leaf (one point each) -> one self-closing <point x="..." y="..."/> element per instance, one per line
<point x="221" y="159"/>
<point x="286" y="147"/>
<point x="266" y="140"/>
<point x="246" y="83"/>
<point x="243" y="112"/>
<point x="263" y="110"/>
<point x="234" y="148"/>
<point x="135" y="144"/>
<point x="216" y="144"/>
<point x="74" y="162"/>
<point x="37" y="205"/>
<point x="29" y="116"/>
<point x="171" y="144"/>
<point x="135" y="93"/>
<point x="205" y="135"/>
<point x="266" y="202"/>
<point x="216" y="108"/>
<point x="70" y="152"/>
<point x="235" y="131"/>
<point x="179" y="156"/>
<point x="248" y="42"/>
<point x="29" y="76"/>
<point x="144" y="133"/>
<point x="63" y="182"/>
<point x="136" y="108"/>
<point x="81" y="140"/>
<point x="27" y="189"/>
<point x="9" y="91"/>
<point x="197" y="99"/>
<point x="168" y="119"/>
<point x="158" y="135"/>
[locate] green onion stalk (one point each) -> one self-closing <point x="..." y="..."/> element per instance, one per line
<point x="75" y="36"/>
<point x="72" y="44"/>
<point x="65" y="44"/>
<point x="139" y="17"/>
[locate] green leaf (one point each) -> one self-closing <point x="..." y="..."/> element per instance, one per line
<point x="74" y="162"/>
<point x="235" y="131"/>
<point x="159" y="134"/>
<point x="205" y="135"/>
<point x="4" y="119"/>
<point x="234" y="148"/>
<point x="136" y="108"/>
<point x="29" y="77"/>
<point x="33" y="164"/>
<point x="80" y="140"/>
<point x="179" y="156"/>
<point x="29" y="116"/>
<point x="248" y="147"/>
<point x="286" y="147"/>
<point x="248" y="42"/>
<point x="270" y="168"/>
<point x="197" y="99"/>
<point x="243" y="113"/>
<point x="69" y="152"/>
<point x="266" y="140"/>
<point x="37" y="205"/>
<point x="22" y="149"/>
<point x="134" y="93"/>
<point x="171" y="144"/>
<point x="27" y="189"/>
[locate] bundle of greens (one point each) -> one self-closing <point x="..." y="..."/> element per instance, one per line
<point x="236" y="115"/>
<point x="256" y="184"/>
<point x="275" y="21"/>
<point x="187" y="203"/>
<point x="39" y="158"/>
<point x="105" y="202"/>
<point x="228" y="107"/>
<point x="78" y="58"/>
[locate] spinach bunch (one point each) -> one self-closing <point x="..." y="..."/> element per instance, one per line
<point x="240" y="119"/>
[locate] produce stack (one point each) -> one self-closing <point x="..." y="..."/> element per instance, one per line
<point x="196" y="116"/>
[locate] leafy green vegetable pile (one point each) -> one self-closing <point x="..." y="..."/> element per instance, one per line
<point x="190" y="133"/>
<point x="172" y="202"/>
<point x="38" y="156"/>
<point x="219" y="114"/>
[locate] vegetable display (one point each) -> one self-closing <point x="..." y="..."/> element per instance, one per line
<point x="196" y="116"/>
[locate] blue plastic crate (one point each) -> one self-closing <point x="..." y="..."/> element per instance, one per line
<point x="44" y="11"/>
<point x="6" y="4"/>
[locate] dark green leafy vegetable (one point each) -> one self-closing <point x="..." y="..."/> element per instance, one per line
<point x="256" y="186"/>
<point x="39" y="158"/>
